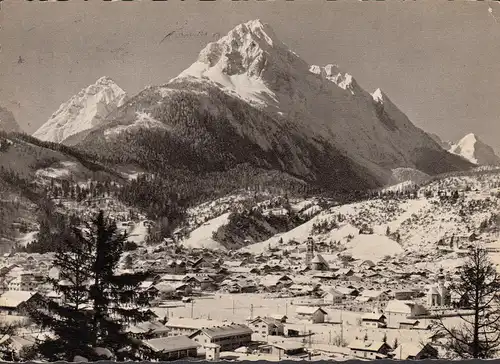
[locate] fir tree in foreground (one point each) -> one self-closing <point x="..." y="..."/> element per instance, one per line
<point x="97" y="303"/>
<point x="478" y="285"/>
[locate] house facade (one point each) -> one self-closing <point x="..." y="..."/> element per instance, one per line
<point x="369" y="349"/>
<point x="228" y="337"/>
<point x="264" y="326"/>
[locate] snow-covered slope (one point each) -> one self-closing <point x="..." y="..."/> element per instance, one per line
<point x="7" y="121"/>
<point x="86" y="110"/>
<point x="476" y="151"/>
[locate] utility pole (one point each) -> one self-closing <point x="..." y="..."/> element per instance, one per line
<point x="286" y="308"/>
<point x="192" y="308"/>
<point x="310" y="338"/>
<point x="330" y="337"/>
<point x="341" y="327"/>
<point x="233" y="306"/>
<point x="251" y="311"/>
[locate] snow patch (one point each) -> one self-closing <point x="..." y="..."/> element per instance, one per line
<point x="202" y="236"/>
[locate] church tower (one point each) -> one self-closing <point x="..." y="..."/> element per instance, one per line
<point x="310" y="248"/>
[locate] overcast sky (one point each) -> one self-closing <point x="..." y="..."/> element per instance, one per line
<point x="438" y="60"/>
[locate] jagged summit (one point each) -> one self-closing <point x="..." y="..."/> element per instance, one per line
<point x="332" y="72"/>
<point x="475" y="150"/>
<point x="83" y="111"/>
<point x="249" y="61"/>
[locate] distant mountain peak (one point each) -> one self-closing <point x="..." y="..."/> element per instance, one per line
<point x="378" y="96"/>
<point x="472" y="148"/>
<point x="83" y="111"/>
<point x="7" y="121"/>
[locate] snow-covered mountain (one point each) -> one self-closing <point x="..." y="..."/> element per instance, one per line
<point x="7" y="121"/>
<point x="324" y="102"/>
<point x="249" y="99"/>
<point x="476" y="151"/>
<point x="84" y="111"/>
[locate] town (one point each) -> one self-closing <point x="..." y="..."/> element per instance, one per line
<point x="266" y="306"/>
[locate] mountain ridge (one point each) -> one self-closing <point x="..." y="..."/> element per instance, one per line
<point x="249" y="99"/>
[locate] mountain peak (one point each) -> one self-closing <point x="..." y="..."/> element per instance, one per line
<point x="247" y="62"/>
<point x="378" y="96"/>
<point x="7" y="121"/>
<point x="476" y="151"/>
<point x="471" y="137"/>
<point x="242" y="50"/>
<point x="83" y="111"/>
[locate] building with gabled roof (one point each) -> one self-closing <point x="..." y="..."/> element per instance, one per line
<point x="14" y="302"/>
<point x="313" y="314"/>
<point x="414" y="351"/>
<point x="173" y="348"/>
<point x="229" y="337"/>
<point x="370" y="349"/>
<point x="265" y="326"/>
<point x="373" y="319"/>
<point x="318" y="263"/>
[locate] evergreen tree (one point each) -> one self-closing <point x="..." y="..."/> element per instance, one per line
<point x="98" y="303"/>
<point x="479" y="334"/>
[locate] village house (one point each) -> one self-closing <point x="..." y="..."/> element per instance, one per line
<point x="348" y="291"/>
<point x="265" y="326"/>
<point x="379" y="298"/>
<point x="397" y="311"/>
<point x="333" y="297"/>
<point x="26" y="282"/>
<point x="186" y="326"/>
<point x="150" y="329"/>
<point x="409" y="324"/>
<point x="281" y="318"/>
<point x="228" y="337"/>
<point x="369" y="349"/>
<point x="173" y="348"/>
<point x="366" y="264"/>
<point x="15" y="302"/>
<point x="404" y="295"/>
<point x="273" y="283"/>
<point x="285" y="349"/>
<point x="413" y="351"/>
<point x="175" y="267"/>
<point x="313" y="314"/>
<point x="373" y="319"/>
<point x="171" y="290"/>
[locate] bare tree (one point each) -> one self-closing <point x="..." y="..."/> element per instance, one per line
<point x="478" y="335"/>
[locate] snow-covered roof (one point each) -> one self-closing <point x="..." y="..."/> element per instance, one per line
<point x="172" y="343"/>
<point x="400" y="306"/>
<point x="189" y="323"/>
<point x="372" y="316"/>
<point x="12" y="299"/>
<point x="374" y="346"/>
<point x="308" y="310"/>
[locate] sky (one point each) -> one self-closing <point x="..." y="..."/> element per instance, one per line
<point x="438" y="60"/>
